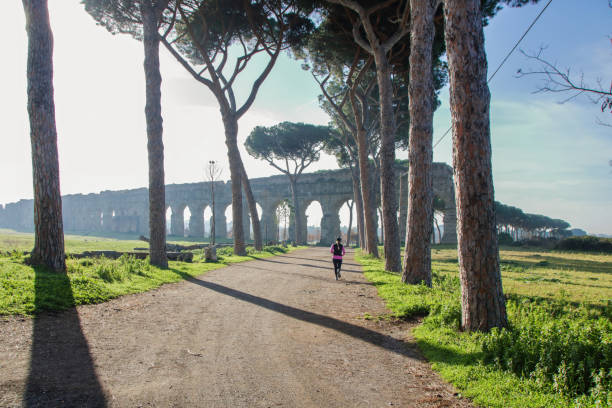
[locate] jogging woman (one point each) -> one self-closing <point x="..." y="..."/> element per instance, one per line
<point x="338" y="251"/>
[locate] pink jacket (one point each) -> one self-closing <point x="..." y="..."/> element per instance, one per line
<point x="337" y="256"/>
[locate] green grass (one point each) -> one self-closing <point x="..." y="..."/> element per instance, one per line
<point x="23" y="241"/>
<point x="559" y="336"/>
<point x="27" y="290"/>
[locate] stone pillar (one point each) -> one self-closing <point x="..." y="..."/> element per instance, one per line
<point x="330" y="223"/>
<point x="177" y="222"/>
<point x="196" y="221"/>
<point x="303" y="234"/>
<point x="449" y="219"/>
<point x="92" y="222"/>
<point x="403" y="206"/>
<point x="107" y="220"/>
<point x="220" y="221"/>
<point x="143" y="221"/>
<point x="268" y="223"/>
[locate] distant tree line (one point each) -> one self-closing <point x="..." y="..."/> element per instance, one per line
<point x="520" y="225"/>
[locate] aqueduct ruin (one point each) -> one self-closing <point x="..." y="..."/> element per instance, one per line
<point x="126" y="211"/>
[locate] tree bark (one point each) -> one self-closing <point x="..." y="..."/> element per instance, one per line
<point x="482" y="299"/>
<point x="155" y="144"/>
<point x="359" y="210"/>
<point x="369" y="210"/>
<point x="388" y="193"/>
<point x="48" y="224"/>
<point x="417" y="253"/>
<point x="236" y="172"/>
<point x="246" y="185"/>
<point x="296" y="210"/>
<point x="350" y="224"/>
<point x="359" y="205"/>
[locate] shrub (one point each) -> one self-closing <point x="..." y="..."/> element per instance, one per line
<point x="568" y="353"/>
<point x="120" y="269"/>
<point x="586" y="243"/>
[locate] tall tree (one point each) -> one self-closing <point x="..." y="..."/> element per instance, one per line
<point x="142" y="19"/>
<point x="343" y="147"/>
<point x="482" y="301"/>
<point x="359" y="122"/>
<point x="422" y="98"/>
<point x="48" y="225"/>
<point x="207" y="32"/>
<point x="296" y="146"/>
<point x="379" y="44"/>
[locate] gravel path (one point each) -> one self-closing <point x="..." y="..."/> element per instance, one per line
<point x="275" y="332"/>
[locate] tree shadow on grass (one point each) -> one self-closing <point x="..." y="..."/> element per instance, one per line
<point x="62" y="372"/>
<point x="358" y="332"/>
<point x="438" y="353"/>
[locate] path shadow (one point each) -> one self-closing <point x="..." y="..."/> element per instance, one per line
<point x="319" y="278"/>
<point x="310" y="265"/>
<point x="62" y="372"/>
<point x="358" y="332"/>
<point x="310" y="259"/>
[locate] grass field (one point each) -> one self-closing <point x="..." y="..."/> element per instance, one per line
<point x="577" y="277"/>
<point x="22" y="241"/>
<point x="557" y="351"/>
<point x="28" y="290"/>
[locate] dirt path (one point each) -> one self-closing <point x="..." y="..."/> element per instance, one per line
<point x="277" y="332"/>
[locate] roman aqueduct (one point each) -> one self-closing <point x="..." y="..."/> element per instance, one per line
<point x="126" y="211"/>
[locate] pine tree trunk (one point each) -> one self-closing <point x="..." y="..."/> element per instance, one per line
<point x="350" y="225"/>
<point x="236" y="172"/>
<point x="359" y="205"/>
<point x="296" y="210"/>
<point x="417" y="254"/>
<point x="48" y="224"/>
<point x="155" y="144"/>
<point x="246" y="184"/>
<point x="388" y="192"/>
<point x="369" y="210"/>
<point x="360" y="218"/>
<point x="482" y="299"/>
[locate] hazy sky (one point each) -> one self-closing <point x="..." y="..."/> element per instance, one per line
<point x="548" y="158"/>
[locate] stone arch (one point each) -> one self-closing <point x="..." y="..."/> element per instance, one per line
<point x="207" y="215"/>
<point x="169" y="214"/>
<point x="348" y="216"/>
<point x="228" y="215"/>
<point x="284" y="229"/>
<point x="186" y="219"/>
<point x="313" y="213"/>
<point x="330" y="223"/>
<point x="195" y="222"/>
<point x="259" y="216"/>
<point x="269" y="225"/>
<point x="177" y="219"/>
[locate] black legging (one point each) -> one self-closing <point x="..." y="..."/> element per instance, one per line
<point x="337" y="265"/>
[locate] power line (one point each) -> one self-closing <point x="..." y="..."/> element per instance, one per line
<point x="503" y="61"/>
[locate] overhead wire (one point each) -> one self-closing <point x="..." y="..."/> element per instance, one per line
<point x="503" y="61"/>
